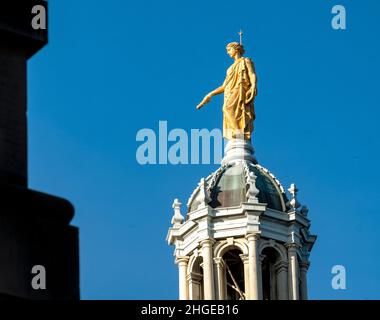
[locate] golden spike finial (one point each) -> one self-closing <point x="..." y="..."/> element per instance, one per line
<point x="241" y="36"/>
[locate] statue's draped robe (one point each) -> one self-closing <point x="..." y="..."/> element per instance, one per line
<point x="238" y="107"/>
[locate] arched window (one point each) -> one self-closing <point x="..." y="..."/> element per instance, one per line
<point x="234" y="275"/>
<point x="195" y="279"/>
<point x="270" y="279"/>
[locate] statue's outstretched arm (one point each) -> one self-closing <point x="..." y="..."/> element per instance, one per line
<point x="208" y="97"/>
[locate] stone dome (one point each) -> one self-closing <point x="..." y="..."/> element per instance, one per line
<point x="228" y="186"/>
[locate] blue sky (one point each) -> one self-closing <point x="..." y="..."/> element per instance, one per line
<point x="113" y="68"/>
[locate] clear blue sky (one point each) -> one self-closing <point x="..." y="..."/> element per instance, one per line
<point x="112" y="68"/>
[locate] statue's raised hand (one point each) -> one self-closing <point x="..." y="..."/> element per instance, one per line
<point x="205" y="100"/>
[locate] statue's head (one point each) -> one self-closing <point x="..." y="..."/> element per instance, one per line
<point x="233" y="48"/>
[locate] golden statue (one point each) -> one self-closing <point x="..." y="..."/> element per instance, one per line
<point x="240" y="90"/>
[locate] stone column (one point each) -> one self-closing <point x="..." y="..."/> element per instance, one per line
<point x="221" y="279"/>
<point x="293" y="272"/>
<point x="253" y="266"/>
<point x="183" y="286"/>
<point x="304" y="266"/>
<point x="282" y="280"/>
<point x="245" y="259"/>
<point x="208" y="270"/>
<point x="260" y="275"/>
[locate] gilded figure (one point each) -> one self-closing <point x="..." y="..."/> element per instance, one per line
<point x="240" y="89"/>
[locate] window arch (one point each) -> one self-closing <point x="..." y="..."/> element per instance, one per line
<point x="234" y="275"/>
<point x="274" y="270"/>
<point x="270" y="281"/>
<point x="195" y="278"/>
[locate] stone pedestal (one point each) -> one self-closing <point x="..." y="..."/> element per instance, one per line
<point x="238" y="149"/>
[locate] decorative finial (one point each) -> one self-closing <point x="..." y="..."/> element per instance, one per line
<point x="177" y="217"/>
<point x="241" y="36"/>
<point x="294" y="202"/>
<point x="252" y="191"/>
<point x="293" y="190"/>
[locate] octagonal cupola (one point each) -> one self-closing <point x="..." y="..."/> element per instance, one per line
<point x="242" y="236"/>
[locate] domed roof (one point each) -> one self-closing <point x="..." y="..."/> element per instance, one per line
<point x="228" y="186"/>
